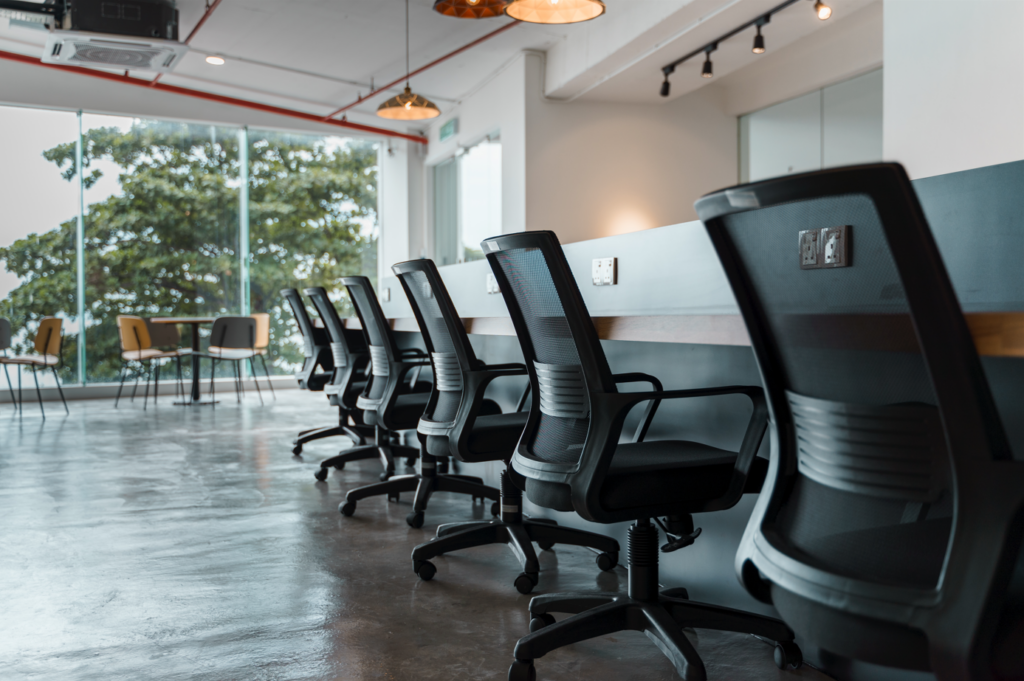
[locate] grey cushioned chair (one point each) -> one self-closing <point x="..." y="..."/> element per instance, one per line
<point x="233" y="339"/>
<point x="5" y="345"/>
<point x="890" y="526"/>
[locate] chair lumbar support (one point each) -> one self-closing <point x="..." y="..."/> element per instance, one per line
<point x="661" y="615"/>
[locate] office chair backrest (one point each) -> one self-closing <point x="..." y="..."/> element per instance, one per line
<point x="262" y="330"/>
<point x="451" y="354"/>
<point x="882" y="414"/>
<point x="234" y="333"/>
<point x="560" y="345"/>
<point x="162" y="335"/>
<point x="132" y="331"/>
<point x="5" y="334"/>
<point x="381" y="343"/>
<point x="302" y="319"/>
<point x="348" y="348"/>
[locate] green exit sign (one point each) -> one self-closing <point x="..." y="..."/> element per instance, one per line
<point x="449" y="129"/>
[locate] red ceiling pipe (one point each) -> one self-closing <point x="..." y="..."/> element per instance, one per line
<point x="188" y="40"/>
<point x="199" y="94"/>
<point x="420" y="70"/>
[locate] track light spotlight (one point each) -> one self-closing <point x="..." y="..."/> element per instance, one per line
<point x="823" y="10"/>
<point x="707" y="71"/>
<point x="666" y="87"/>
<point x="758" y="42"/>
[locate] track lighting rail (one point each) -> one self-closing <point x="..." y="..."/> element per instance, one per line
<point x="712" y="45"/>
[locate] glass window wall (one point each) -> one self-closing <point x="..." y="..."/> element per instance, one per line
<point x="174" y="219"/>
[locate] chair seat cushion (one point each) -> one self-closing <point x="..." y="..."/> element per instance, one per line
<point x="37" y="360"/>
<point x="146" y="355"/>
<point x="654" y="475"/>
<point x="493" y="433"/>
<point x="405" y="414"/>
<point x="231" y="353"/>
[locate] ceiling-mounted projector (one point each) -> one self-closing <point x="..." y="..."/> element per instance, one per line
<point x="133" y="35"/>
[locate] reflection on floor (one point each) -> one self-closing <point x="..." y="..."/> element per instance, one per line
<point x="183" y="543"/>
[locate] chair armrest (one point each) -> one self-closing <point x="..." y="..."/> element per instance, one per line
<point x="506" y="369"/>
<point x="652" y="405"/>
<point x="411" y="352"/>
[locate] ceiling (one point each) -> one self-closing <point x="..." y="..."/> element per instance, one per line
<point x="318" y="55"/>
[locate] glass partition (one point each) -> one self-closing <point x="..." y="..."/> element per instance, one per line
<point x="40" y="198"/>
<point x="312" y="220"/>
<point x="174" y="219"/>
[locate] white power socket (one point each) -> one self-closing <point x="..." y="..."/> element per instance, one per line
<point x="492" y="284"/>
<point x="605" y="271"/>
<point x="385" y="295"/>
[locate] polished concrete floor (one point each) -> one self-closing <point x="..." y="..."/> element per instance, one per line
<point x="188" y="543"/>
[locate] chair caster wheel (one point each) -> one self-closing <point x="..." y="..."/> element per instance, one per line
<point x="394" y="497"/>
<point x="339" y="466"/>
<point x="415" y="519"/>
<point x="546" y="545"/>
<point x="296" y="450"/>
<point x="385" y="475"/>
<point x="347" y="508"/>
<point x="321" y="474"/>
<point x="525" y="582"/>
<point x="788" y="656"/>
<point x="522" y="671"/>
<point x="410" y="462"/>
<point x="495" y="509"/>
<point x="606" y="561"/>
<point x="425" y="569"/>
<point x="540" y="621"/>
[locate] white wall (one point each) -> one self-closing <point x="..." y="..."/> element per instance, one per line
<point x="954" y="84"/>
<point x="846" y="47"/>
<point x="497" y="105"/>
<point x="597" y="169"/>
<point x="401" y="200"/>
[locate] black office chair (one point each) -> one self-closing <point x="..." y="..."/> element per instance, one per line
<point x="351" y="364"/>
<point x="571" y="459"/>
<point x="317" y="368"/>
<point x="233" y="339"/>
<point x="460" y="423"/>
<point x="385" y="403"/>
<point x="891" y="520"/>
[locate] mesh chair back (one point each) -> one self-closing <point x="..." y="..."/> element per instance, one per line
<point x="5" y="334"/>
<point x="872" y="378"/>
<point x="234" y="333"/>
<point x="560" y="345"/>
<point x="302" y="319"/>
<point x="262" y="330"/>
<point x="451" y="354"/>
<point x="380" y="342"/>
<point x="343" y="342"/>
<point x="162" y="335"/>
<point x="133" y="332"/>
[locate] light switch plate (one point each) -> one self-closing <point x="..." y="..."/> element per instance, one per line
<point x="385" y="295"/>
<point x="604" y="271"/>
<point x="492" y="284"/>
<point x="825" y="248"/>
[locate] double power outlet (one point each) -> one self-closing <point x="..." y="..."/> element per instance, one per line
<point x="825" y="248"/>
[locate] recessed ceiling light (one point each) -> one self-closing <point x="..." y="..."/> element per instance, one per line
<point x="216" y="61"/>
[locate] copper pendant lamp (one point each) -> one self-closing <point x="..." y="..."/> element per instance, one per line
<point x="555" y="11"/>
<point x="408" y="106"/>
<point x="471" y="9"/>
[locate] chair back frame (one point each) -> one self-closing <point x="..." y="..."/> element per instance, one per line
<point x="315" y="345"/>
<point x="348" y="348"/>
<point x="234" y="333"/>
<point x="959" y="615"/>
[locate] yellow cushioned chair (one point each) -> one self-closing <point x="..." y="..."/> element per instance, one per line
<point x="48" y="345"/>
<point x="137" y="352"/>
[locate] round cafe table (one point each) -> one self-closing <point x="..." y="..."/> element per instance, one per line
<point x="194" y="322"/>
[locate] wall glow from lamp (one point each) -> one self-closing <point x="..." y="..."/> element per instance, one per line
<point x="628" y="220"/>
<point x="823" y="10"/>
<point x="555" y="11"/>
<point x="215" y="60"/>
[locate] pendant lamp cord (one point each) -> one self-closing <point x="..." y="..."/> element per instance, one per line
<point x="406" y="43"/>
